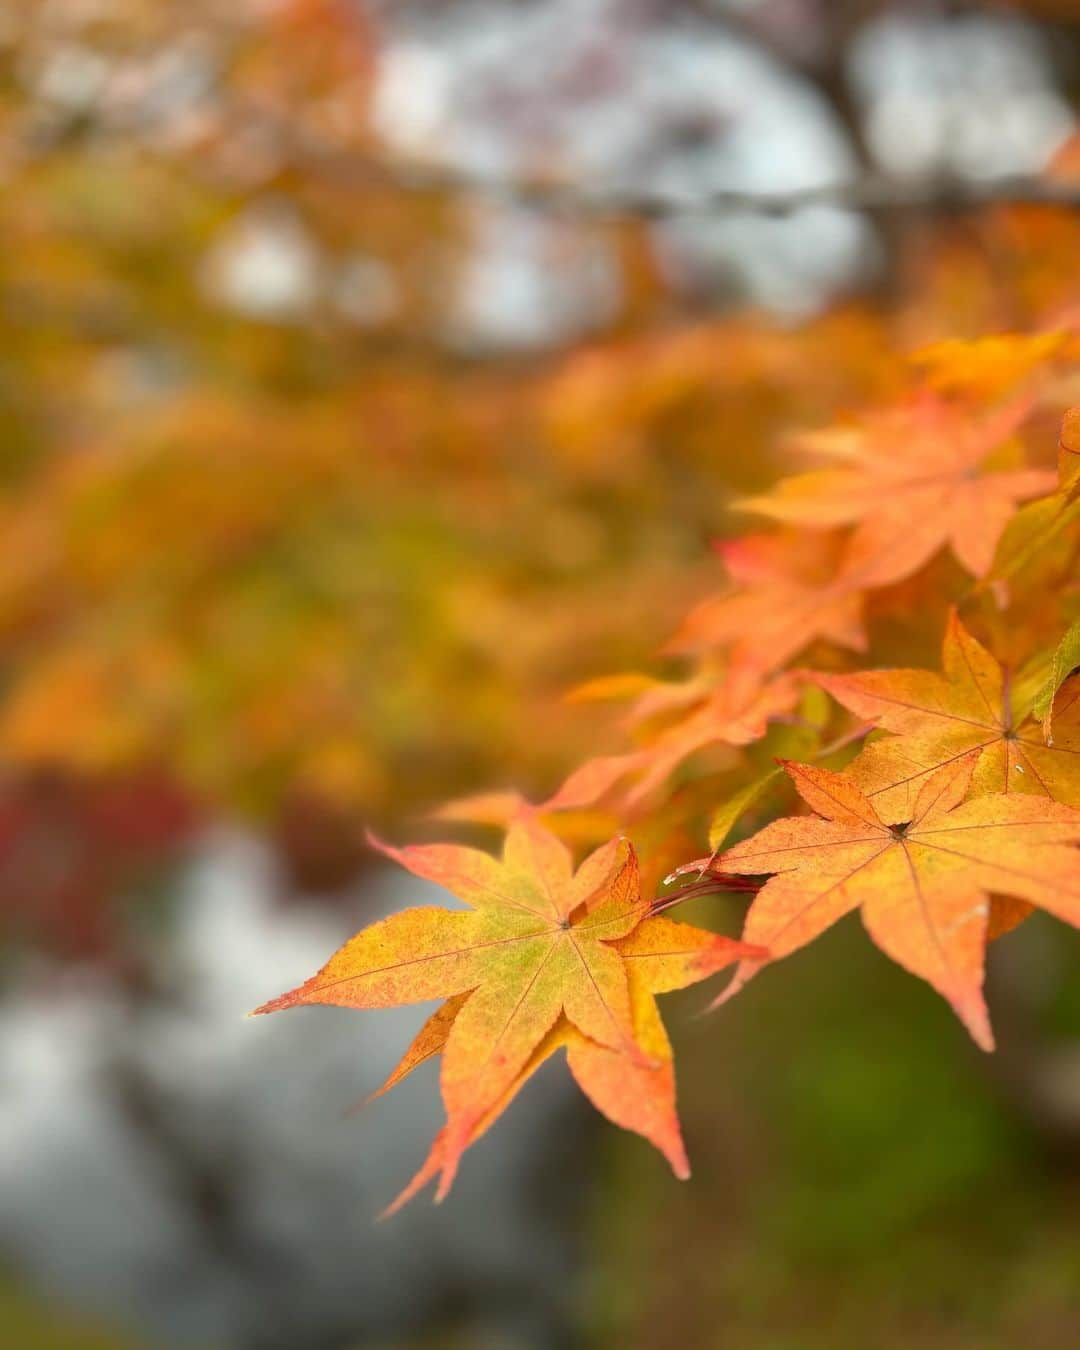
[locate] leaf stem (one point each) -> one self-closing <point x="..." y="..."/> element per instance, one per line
<point x="718" y="884"/>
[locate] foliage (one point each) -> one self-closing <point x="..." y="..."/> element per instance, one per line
<point x="960" y="800"/>
<point x="326" y="555"/>
<point x="541" y="940"/>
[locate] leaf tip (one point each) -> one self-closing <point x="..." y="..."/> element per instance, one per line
<point x="380" y="846"/>
<point x="679" y="1162"/>
<point x="970" y="1006"/>
<point x="282" y="1001"/>
<point x="724" y="951"/>
<point x="977" y="1021"/>
<point x="744" y="974"/>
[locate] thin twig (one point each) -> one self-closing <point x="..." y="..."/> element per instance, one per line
<point x="356" y="169"/>
<point x="871" y="192"/>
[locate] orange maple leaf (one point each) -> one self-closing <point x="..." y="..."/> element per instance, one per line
<point x="659" y="955"/>
<point x="923" y="887"/>
<point x="987" y="366"/>
<point x="911" y="480"/>
<point x="1048" y="520"/>
<point x="544" y="957"/>
<point x="734" y="712"/>
<point x="1069" y="451"/>
<point x="788" y="590"/>
<point x="940" y="718"/>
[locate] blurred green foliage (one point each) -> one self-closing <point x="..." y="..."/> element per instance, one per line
<point x="862" y="1176"/>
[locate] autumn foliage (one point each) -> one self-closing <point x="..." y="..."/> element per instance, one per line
<point x="321" y="564"/>
<point x="548" y="958"/>
<point x="959" y="813"/>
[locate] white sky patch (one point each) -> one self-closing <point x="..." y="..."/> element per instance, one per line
<point x="970" y="96"/>
<point x="264" y="264"/>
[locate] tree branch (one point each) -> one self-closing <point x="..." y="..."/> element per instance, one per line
<point x="870" y="192"/>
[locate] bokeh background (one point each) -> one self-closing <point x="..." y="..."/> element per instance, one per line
<point x="370" y="374"/>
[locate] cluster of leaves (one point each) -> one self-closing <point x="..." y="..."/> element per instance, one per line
<point x="286" y="554"/>
<point x="316" y="556"/>
<point x="428" y="549"/>
<point x="940" y="513"/>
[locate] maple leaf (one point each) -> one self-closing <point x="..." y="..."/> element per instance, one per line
<point x="1069" y="452"/>
<point x="660" y="955"/>
<point x="988" y="365"/>
<point x="627" y="684"/>
<point x="910" y="480"/>
<point x="1048" y="520"/>
<point x="734" y="712"/>
<point x="938" y="718"/>
<point x="923" y="887"/>
<point x="785" y="595"/>
<point x="543" y="951"/>
<point x="1064" y="659"/>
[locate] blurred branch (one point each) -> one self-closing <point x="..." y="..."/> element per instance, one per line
<point x="357" y="170"/>
<point x="870" y="192"/>
<point x="865" y="194"/>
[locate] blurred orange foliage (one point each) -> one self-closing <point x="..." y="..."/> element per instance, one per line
<point x="325" y="555"/>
